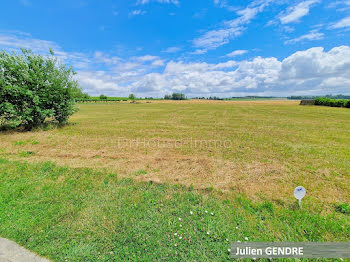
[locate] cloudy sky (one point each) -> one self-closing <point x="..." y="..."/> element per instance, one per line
<point x="198" y="47"/>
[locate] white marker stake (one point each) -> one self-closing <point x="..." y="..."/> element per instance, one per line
<point x="299" y="193"/>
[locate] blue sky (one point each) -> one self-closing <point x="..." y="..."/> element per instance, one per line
<point x="201" y="48"/>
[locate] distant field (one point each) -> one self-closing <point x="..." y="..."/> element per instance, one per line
<point x="261" y="149"/>
<point x="258" y="99"/>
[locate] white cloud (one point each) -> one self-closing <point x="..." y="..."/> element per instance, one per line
<point x="100" y="57"/>
<point x="231" y="29"/>
<point x="146" y="58"/>
<point x="26" y="41"/>
<point x="237" y="53"/>
<point x="315" y="63"/>
<point x="172" y="49"/>
<point x="294" y="13"/>
<point x="15" y="40"/>
<point x="137" y="12"/>
<point x="157" y="63"/>
<point x="313" y="71"/>
<point x="345" y="22"/>
<point x="340" y="6"/>
<point x="312" y="35"/>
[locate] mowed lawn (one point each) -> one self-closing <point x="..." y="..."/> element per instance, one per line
<point x="261" y="149"/>
<point x="69" y="214"/>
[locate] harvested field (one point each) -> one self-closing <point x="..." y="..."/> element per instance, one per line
<point x="262" y="149"/>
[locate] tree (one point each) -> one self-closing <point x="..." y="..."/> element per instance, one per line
<point x="77" y="93"/>
<point x="103" y="97"/>
<point x="167" y="97"/>
<point x="34" y="88"/>
<point x="132" y="97"/>
<point x="178" y="96"/>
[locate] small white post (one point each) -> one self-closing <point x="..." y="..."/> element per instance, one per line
<point x="299" y="193"/>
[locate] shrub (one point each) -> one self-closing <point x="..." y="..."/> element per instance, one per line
<point x="132" y="97"/>
<point x="34" y="88"/>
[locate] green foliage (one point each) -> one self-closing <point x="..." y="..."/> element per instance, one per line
<point x="175" y="96"/>
<point x="103" y="97"/>
<point x="324" y="101"/>
<point x="78" y="94"/>
<point x="34" y="88"/>
<point x="132" y="97"/>
<point x="178" y="96"/>
<point x="347" y="104"/>
<point x="314" y="97"/>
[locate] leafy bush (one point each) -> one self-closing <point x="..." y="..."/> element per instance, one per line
<point x="132" y="97"/>
<point x="34" y="88"/>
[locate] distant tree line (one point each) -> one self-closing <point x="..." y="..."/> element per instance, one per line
<point x="315" y="97"/>
<point x="175" y="96"/>
<point x="209" y="98"/>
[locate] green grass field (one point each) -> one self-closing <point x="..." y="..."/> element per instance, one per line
<point x="82" y="215"/>
<point x="121" y="175"/>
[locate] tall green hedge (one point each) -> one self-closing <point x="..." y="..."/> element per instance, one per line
<point x="332" y="102"/>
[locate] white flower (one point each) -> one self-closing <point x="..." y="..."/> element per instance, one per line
<point x="226" y="239"/>
<point x="179" y="218"/>
<point x="208" y="233"/>
<point x="175" y="234"/>
<point x="180" y="225"/>
<point x="246" y="238"/>
<point x="229" y="250"/>
<point x="180" y="237"/>
<point x="191" y="212"/>
<point x="212" y="213"/>
<point x="176" y="245"/>
<point x="206" y="211"/>
<point x="236" y="227"/>
<point x="238" y="241"/>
